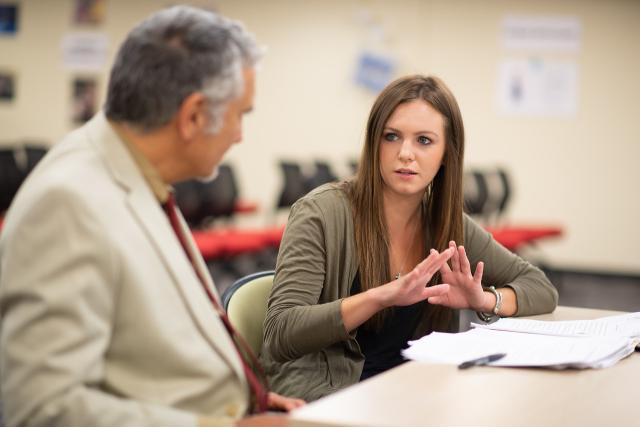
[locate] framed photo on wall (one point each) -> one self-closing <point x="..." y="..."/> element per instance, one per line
<point x="7" y="86"/>
<point x="89" y="12"/>
<point x="84" y="99"/>
<point x="8" y="19"/>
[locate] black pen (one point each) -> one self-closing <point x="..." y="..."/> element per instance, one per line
<point x="485" y="360"/>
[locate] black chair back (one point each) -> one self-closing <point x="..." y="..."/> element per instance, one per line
<point x="475" y="192"/>
<point x="35" y="153"/>
<point x="487" y="193"/>
<point x="294" y="184"/>
<point x="188" y="200"/>
<point x="353" y="165"/>
<point x="200" y="201"/>
<point x="323" y="174"/>
<point x="498" y="193"/>
<point x="11" y="177"/>
<point x="506" y="190"/>
<point x="219" y="196"/>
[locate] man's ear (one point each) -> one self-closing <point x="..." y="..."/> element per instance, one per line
<point x="192" y="116"/>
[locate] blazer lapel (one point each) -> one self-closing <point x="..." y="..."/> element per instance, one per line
<point x="199" y="263"/>
<point x="151" y="218"/>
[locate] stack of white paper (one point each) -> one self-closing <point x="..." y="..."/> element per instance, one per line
<point x="574" y="344"/>
<point x="624" y="325"/>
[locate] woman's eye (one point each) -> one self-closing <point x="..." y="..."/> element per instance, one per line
<point x="424" y="140"/>
<point x="390" y="136"/>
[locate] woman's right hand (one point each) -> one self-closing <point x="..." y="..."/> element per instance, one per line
<point x="412" y="287"/>
<point x="408" y="289"/>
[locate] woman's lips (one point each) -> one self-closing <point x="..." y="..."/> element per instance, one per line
<point x="406" y="172"/>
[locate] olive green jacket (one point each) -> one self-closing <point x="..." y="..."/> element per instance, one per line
<point x="307" y="352"/>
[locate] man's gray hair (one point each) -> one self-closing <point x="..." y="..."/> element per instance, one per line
<point x="172" y="54"/>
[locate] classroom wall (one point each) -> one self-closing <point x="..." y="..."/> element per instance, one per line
<point x="578" y="171"/>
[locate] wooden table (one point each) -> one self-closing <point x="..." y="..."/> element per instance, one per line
<point x="424" y="394"/>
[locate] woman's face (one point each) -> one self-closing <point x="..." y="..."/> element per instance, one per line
<point x="411" y="149"/>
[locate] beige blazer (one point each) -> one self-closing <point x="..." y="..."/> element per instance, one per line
<point x="103" y="320"/>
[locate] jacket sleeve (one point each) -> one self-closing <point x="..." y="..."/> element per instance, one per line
<point x="296" y="324"/>
<point x="535" y="293"/>
<point x="58" y="286"/>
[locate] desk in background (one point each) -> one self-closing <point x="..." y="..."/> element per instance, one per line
<point x="422" y="394"/>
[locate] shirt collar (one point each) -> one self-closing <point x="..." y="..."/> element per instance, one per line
<point x="160" y="189"/>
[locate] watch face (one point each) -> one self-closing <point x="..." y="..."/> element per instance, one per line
<point x="484" y="316"/>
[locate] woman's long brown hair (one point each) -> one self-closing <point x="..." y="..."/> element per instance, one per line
<point x="443" y="198"/>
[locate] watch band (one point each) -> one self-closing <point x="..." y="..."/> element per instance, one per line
<point x="498" y="294"/>
<point x="485" y="317"/>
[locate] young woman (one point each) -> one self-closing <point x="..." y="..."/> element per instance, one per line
<point x="368" y="264"/>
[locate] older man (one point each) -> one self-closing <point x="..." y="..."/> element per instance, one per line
<point x="109" y="315"/>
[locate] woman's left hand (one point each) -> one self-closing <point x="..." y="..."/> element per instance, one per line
<point x="465" y="288"/>
<point x="281" y="403"/>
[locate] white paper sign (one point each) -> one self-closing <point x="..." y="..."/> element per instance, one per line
<point x="542" y="33"/>
<point x="538" y="87"/>
<point x="84" y="51"/>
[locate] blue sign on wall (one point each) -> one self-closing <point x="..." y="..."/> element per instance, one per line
<point x="8" y="19"/>
<point x="374" y="71"/>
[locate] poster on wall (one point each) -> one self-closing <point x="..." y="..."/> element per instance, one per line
<point x="8" y="19"/>
<point x="542" y="33"/>
<point x="537" y="87"/>
<point x="84" y="99"/>
<point x="84" y="51"/>
<point x="89" y="12"/>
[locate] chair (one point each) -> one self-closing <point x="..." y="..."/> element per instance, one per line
<point x="294" y="184"/>
<point x="35" y="151"/>
<point x="498" y="194"/>
<point x="202" y="201"/>
<point x="353" y="166"/>
<point x="218" y="197"/>
<point x="188" y="200"/>
<point x="506" y="187"/>
<point x="486" y="195"/>
<point x="11" y="177"/>
<point x="246" y="304"/>
<point x="322" y="175"/>
<point x="475" y="192"/>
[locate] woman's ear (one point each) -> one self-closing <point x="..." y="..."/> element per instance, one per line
<point x="192" y="116"/>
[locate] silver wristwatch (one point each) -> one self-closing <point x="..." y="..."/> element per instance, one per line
<point x="485" y="317"/>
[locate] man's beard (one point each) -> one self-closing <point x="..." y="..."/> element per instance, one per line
<point x="213" y="175"/>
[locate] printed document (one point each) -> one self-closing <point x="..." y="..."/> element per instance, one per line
<point x="572" y="344"/>
<point x="625" y="325"/>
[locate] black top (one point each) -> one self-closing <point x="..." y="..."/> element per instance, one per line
<point x="381" y="349"/>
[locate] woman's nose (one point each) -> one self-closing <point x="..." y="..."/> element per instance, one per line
<point x="406" y="151"/>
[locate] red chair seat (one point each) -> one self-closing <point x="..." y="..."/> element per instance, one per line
<point x="238" y="242"/>
<point x="211" y="245"/>
<point x="273" y="236"/>
<point x="229" y="242"/>
<point x="245" y="206"/>
<point x="514" y="238"/>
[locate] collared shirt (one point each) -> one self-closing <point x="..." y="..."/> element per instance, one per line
<point x="160" y="188"/>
